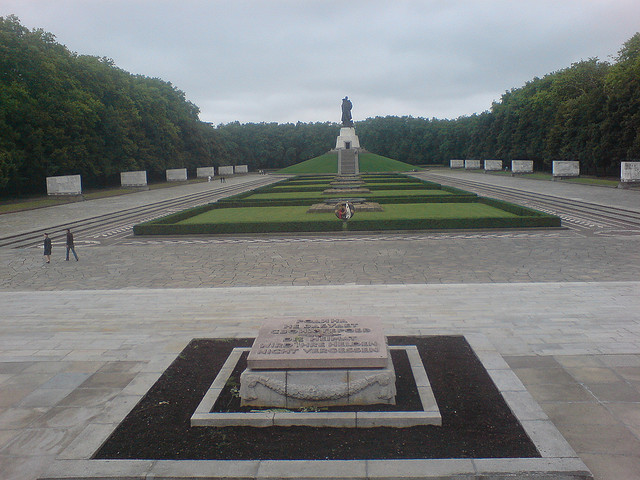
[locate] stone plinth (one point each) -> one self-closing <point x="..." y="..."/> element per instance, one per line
<point x="296" y="388"/>
<point x="629" y="174"/>
<point x="319" y="343"/>
<point x="456" y="163"/>
<point x="492" y="165"/>
<point x="133" y="179"/>
<point x="225" y="170"/>
<point x="326" y="207"/>
<point x="521" y="166"/>
<point x="240" y="169"/>
<point x="346" y="191"/>
<point x="205" y="172"/>
<point x="64" y="185"/>
<point x="176" y="175"/>
<point x="318" y="362"/>
<point x="472" y="164"/>
<point x="347" y="139"/>
<point x="565" y="169"/>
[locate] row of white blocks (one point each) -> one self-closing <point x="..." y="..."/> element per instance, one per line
<point x="629" y="171"/>
<point x="72" y="184"/>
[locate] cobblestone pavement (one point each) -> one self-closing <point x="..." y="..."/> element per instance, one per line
<point x="406" y="259"/>
<point x="81" y="342"/>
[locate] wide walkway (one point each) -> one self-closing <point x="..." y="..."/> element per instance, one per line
<point x="80" y="342"/>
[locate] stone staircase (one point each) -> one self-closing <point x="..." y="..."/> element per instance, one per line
<point x="348" y="162"/>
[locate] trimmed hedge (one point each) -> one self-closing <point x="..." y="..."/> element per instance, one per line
<point x="526" y="217"/>
<point x="352" y="225"/>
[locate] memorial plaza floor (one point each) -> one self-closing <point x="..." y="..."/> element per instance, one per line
<point x="562" y="307"/>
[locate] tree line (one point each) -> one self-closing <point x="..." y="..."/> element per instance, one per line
<point x="62" y="113"/>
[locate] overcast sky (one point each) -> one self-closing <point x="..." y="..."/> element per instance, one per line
<point x="294" y="60"/>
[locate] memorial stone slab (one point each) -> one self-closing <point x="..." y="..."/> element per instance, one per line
<point x="492" y="165"/>
<point x="630" y="172"/>
<point x="563" y="168"/>
<point x="239" y="169"/>
<point x="456" y="163"/>
<point x="319" y="343"/>
<point x="133" y="179"/>
<point x="472" y="164"/>
<point x="225" y="170"/>
<point x="204" y="172"/>
<point x="64" y="185"/>
<point x="521" y="166"/>
<point x="176" y="175"/>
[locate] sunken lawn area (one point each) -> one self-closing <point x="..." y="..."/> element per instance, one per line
<point x="407" y="204"/>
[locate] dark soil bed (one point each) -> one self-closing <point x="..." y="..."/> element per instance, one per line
<point x="476" y="422"/>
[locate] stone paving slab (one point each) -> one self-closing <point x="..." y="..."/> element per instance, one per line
<point x="29" y="220"/>
<point x="556" y="305"/>
<point x="628" y="199"/>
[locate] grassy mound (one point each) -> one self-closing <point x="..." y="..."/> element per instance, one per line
<point x="328" y="163"/>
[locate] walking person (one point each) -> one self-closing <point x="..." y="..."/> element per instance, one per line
<point x="47" y="247"/>
<point x="70" y="245"/>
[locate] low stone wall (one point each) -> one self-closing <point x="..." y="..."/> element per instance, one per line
<point x="64" y="185"/>
<point x="456" y="163"/>
<point x="492" y="165"/>
<point x="521" y="166"/>
<point x="629" y="174"/>
<point x="204" y="172"/>
<point x="176" y="174"/>
<point x="472" y="164"/>
<point x="226" y="170"/>
<point x="133" y="179"/>
<point x="565" y="169"/>
<point x="239" y="169"/>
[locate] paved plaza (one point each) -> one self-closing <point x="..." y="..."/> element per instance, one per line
<point x="81" y="341"/>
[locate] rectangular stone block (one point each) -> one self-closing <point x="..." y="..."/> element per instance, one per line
<point x="176" y="174"/>
<point x="562" y="168"/>
<point x="312" y="419"/>
<point x="319" y="343"/>
<point x="204" y="172"/>
<point x="64" y="185"/>
<point x="225" y="170"/>
<point x="133" y="179"/>
<point x="318" y="388"/>
<point x="630" y="172"/>
<point x="472" y="164"/>
<point x="347" y="139"/>
<point x="239" y="169"/>
<point x="492" y="165"/>
<point x="456" y="163"/>
<point x="521" y="166"/>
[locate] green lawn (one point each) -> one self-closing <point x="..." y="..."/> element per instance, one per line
<point x="327" y="163"/>
<point x="370" y="162"/>
<point x="408" y="211"/>
<point x="403" y="193"/>
<point x="284" y="195"/>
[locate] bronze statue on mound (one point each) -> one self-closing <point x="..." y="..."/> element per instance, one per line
<point x="346" y="112"/>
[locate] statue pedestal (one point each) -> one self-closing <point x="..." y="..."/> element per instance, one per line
<point x="347" y="139"/>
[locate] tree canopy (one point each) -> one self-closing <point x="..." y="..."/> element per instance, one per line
<point x="62" y="113"/>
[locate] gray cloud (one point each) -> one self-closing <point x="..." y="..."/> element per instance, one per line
<point x="286" y="60"/>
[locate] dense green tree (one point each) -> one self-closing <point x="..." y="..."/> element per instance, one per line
<point x="63" y="113"/>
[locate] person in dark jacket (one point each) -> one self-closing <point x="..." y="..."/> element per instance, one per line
<point x="47" y="247"/>
<point x="70" y="245"/>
